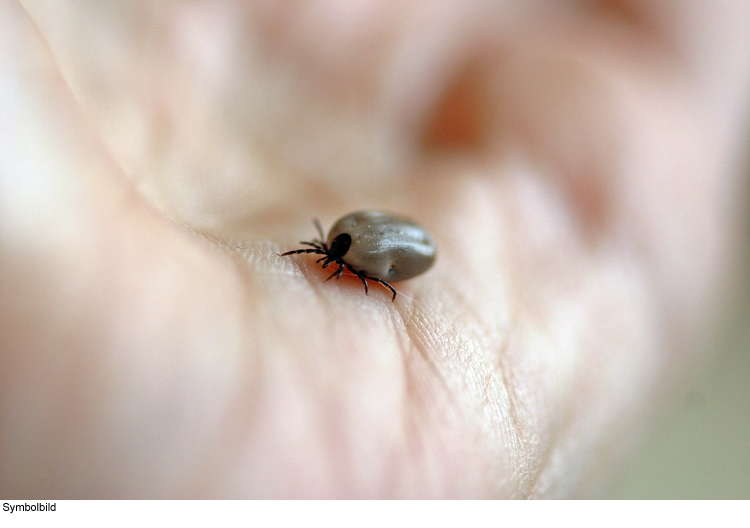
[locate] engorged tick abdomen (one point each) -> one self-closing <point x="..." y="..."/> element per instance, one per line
<point x="384" y="246"/>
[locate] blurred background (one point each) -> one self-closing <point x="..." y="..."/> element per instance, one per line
<point x="698" y="447"/>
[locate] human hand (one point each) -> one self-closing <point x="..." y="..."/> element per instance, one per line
<point x="574" y="164"/>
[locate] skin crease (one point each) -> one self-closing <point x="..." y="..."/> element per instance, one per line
<point x="576" y="164"/>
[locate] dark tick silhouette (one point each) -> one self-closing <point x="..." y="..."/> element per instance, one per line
<point x="373" y="246"/>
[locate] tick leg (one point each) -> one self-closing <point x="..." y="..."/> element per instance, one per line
<point x="318" y="251"/>
<point x="361" y="277"/>
<point x="364" y="281"/>
<point x="386" y="285"/>
<point x="319" y="228"/>
<point x="337" y="272"/>
<point x="317" y="244"/>
<point x="313" y="244"/>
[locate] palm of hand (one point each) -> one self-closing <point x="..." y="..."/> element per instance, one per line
<point x="149" y="357"/>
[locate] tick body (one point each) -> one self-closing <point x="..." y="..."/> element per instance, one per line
<point x="374" y="246"/>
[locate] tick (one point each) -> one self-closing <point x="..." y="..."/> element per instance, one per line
<point x="374" y="246"/>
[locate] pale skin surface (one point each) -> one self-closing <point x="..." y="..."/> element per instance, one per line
<point x="577" y="168"/>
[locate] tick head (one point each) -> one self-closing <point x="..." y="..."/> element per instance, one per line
<point x="339" y="246"/>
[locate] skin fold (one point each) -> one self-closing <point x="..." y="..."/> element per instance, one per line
<point x="576" y="163"/>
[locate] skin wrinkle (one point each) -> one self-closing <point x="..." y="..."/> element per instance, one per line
<point x="548" y="451"/>
<point x="526" y="440"/>
<point x="394" y="481"/>
<point x="420" y="334"/>
<point x="526" y="470"/>
<point x="415" y="399"/>
<point x="551" y="432"/>
<point x="514" y="425"/>
<point x="506" y="374"/>
<point x="505" y="408"/>
<point x="489" y="401"/>
<point x="415" y="415"/>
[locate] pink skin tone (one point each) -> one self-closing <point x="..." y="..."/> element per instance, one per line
<point x="576" y="164"/>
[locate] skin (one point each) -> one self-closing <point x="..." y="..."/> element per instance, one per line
<point x="576" y="164"/>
